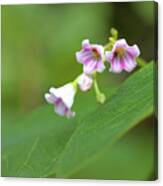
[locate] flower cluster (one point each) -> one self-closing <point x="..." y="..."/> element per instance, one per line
<point x="117" y="53"/>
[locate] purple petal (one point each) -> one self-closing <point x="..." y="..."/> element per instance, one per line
<point x="79" y="56"/>
<point x="88" y="60"/>
<point x="109" y="56"/>
<point x="90" y="67"/>
<point x="87" y="56"/>
<point x="58" y="101"/>
<point x="86" y="44"/>
<point x="121" y="43"/>
<point x="129" y="64"/>
<point x="116" y="66"/>
<point x="83" y="56"/>
<point x="100" y="66"/>
<point x="133" y="51"/>
<point x="99" y="48"/>
<point x="50" y="98"/>
<point x="60" y="109"/>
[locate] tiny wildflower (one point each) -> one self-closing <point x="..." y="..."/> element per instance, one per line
<point x="85" y="82"/>
<point x="122" y="56"/>
<point x="118" y="53"/>
<point x="62" y="98"/>
<point x="91" y="56"/>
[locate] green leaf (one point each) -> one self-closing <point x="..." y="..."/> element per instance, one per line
<point x="130" y="104"/>
<point x="31" y="146"/>
<point x="131" y="158"/>
<point x="46" y="145"/>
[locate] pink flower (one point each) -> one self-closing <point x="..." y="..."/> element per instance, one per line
<point x="62" y="98"/>
<point x="91" y="56"/>
<point x="85" y="82"/>
<point x="122" y="56"/>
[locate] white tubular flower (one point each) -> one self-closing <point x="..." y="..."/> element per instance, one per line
<point x="62" y="98"/>
<point x="85" y="82"/>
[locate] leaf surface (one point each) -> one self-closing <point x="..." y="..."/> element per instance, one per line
<point x="46" y="145"/>
<point x="31" y="146"/>
<point x="129" y="105"/>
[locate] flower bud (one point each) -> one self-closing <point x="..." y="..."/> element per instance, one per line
<point x="85" y="82"/>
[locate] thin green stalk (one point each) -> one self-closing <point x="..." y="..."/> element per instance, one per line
<point x="141" y="62"/>
<point x="99" y="95"/>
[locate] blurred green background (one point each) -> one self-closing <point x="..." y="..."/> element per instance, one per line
<point x="39" y="44"/>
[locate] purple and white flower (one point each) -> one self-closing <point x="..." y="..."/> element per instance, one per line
<point x="62" y="98"/>
<point x="85" y="82"/>
<point x="122" y="56"/>
<point x="91" y="56"/>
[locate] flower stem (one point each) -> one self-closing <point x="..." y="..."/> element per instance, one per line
<point x="75" y="83"/>
<point x="99" y="95"/>
<point x="141" y="62"/>
<point x="112" y="39"/>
